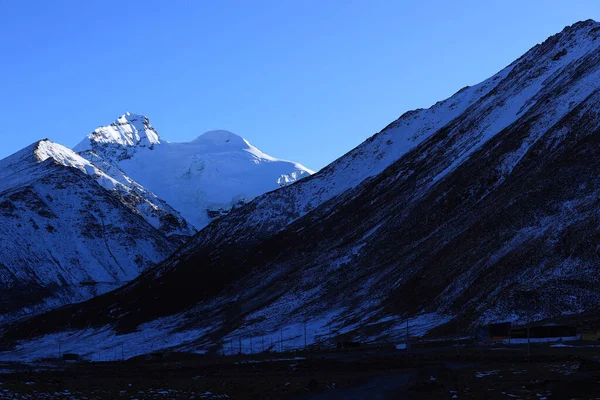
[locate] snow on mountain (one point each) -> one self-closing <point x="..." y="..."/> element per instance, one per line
<point x="88" y="222"/>
<point x="202" y="179"/>
<point x="489" y="107"/>
<point x="69" y="231"/>
<point x="276" y="210"/>
<point x="154" y="210"/>
<point x="129" y="130"/>
<point x="482" y="208"/>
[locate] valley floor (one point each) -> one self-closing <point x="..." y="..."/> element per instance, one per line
<point x="559" y="372"/>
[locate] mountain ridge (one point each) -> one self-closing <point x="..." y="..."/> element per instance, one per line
<point x="108" y="227"/>
<point x="64" y="224"/>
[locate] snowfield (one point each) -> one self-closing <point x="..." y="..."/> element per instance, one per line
<point x="202" y="179"/>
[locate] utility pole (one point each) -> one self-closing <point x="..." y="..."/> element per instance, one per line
<point x="457" y="337"/>
<point x="406" y="341"/>
<point x="122" y="353"/>
<point x="263" y="343"/>
<point x="240" y="340"/>
<point x="304" y="335"/>
<point x="59" y="350"/>
<point x="528" y="342"/>
<point x="281" y="339"/>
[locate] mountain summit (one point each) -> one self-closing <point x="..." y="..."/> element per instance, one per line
<point x="202" y="179"/>
<point x="70" y="231"/>
<point x="128" y="130"/>
<point x="221" y="138"/>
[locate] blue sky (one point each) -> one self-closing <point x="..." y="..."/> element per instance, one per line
<point x="305" y="80"/>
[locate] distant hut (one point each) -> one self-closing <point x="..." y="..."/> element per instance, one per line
<point x="591" y="335"/>
<point x="499" y="331"/>
<point x="544" y="331"/>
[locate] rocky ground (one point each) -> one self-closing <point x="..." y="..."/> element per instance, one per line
<point x="475" y="373"/>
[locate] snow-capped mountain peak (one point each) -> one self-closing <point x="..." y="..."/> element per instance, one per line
<point x="129" y="130"/>
<point x="61" y="155"/>
<point x="45" y="149"/>
<point x="154" y="210"/>
<point x="202" y="179"/>
<point x="71" y="228"/>
<point x="40" y="152"/>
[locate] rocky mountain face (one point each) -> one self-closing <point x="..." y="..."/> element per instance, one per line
<point x="483" y="207"/>
<point x="69" y="231"/>
<point x="74" y="225"/>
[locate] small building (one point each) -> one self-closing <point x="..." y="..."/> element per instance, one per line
<point x="544" y="331"/>
<point x="591" y="336"/>
<point x="499" y="331"/>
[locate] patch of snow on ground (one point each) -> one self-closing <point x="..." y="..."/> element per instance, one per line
<point x="106" y="345"/>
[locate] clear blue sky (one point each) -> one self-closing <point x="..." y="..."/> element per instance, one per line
<point x="305" y="80"/>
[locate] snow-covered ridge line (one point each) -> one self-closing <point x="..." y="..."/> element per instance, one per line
<point x="62" y="155"/>
<point x="275" y="210"/>
<point x="70" y="231"/>
<point x="415" y="127"/>
<point x="148" y="205"/>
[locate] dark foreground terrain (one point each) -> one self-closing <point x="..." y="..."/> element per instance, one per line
<point x="562" y="372"/>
